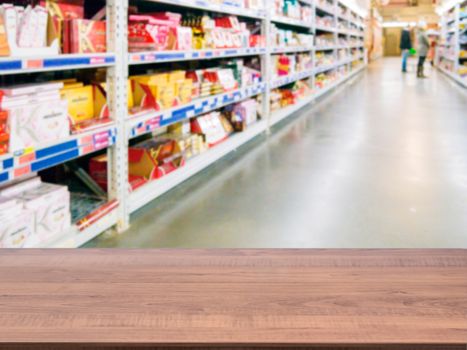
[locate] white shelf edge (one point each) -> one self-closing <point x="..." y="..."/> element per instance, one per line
<point x="195" y="55"/>
<point x="290" y="21"/>
<point x="35" y="61"/>
<point x="155" y="189"/>
<point x="457" y="78"/>
<point x="278" y="82"/>
<point x="279" y="50"/>
<point x="207" y="6"/>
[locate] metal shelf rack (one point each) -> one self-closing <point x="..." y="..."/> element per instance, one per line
<point x="115" y="136"/>
<point x="449" y="58"/>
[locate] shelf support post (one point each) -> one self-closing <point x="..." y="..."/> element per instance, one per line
<point x="117" y="83"/>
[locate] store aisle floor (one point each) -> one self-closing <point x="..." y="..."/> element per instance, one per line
<point x="381" y="163"/>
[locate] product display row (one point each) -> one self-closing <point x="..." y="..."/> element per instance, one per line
<point x="82" y="149"/>
<point x="452" y="54"/>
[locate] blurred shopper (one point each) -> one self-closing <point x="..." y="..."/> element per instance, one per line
<point x="405" y="46"/>
<point x="433" y="48"/>
<point x="423" y="48"/>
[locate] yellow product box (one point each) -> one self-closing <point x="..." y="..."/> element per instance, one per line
<point x="166" y="96"/>
<point x="176" y="76"/>
<point x="80" y="103"/>
<point x="145" y="89"/>
<point x="68" y="86"/>
<point x="185" y="91"/>
<point x="178" y="79"/>
<point x="65" y="81"/>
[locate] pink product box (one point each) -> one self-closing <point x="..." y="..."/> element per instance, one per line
<point x="38" y="123"/>
<point x="184" y="38"/>
<point x="248" y="110"/>
<point x="50" y="208"/>
<point x="16" y="229"/>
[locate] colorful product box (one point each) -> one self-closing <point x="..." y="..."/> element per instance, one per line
<point x="98" y="170"/>
<point x="154" y="159"/>
<point x="80" y="103"/>
<point x="4" y="46"/>
<point x="211" y="126"/>
<point x="4" y="143"/>
<point x="155" y="91"/>
<point x="243" y="114"/>
<point x="3" y="122"/>
<point x="87" y="36"/>
<point x="158" y="32"/>
<point x="60" y="12"/>
<point x="65" y="9"/>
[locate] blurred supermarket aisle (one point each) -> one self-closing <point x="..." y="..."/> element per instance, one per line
<point x="380" y="163"/>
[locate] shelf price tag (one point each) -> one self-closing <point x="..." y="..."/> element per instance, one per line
<point x="22" y="171"/>
<point x="87" y="149"/>
<point x="97" y="60"/>
<point x="34" y="64"/>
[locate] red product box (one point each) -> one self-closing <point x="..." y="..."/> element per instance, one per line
<point x="98" y="172"/>
<point x="87" y="36"/>
<point x="64" y="9"/>
<point x="3" y="122"/>
<point x="152" y="32"/>
<point x="155" y="159"/>
<point x="257" y="41"/>
<point x="4" y="143"/>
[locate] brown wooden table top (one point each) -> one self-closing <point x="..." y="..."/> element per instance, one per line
<point x="233" y="297"/>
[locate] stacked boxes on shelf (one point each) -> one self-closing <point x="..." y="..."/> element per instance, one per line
<point x="33" y="212"/>
<point x="50" y="28"/>
<point x="165" y="31"/>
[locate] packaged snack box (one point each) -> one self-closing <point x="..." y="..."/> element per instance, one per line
<point x="16" y="229"/>
<point x="88" y="36"/>
<point x="50" y="205"/>
<point x="38" y="123"/>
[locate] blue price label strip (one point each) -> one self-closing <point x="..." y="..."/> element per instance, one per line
<point x="47" y="157"/>
<point x="59" y="62"/>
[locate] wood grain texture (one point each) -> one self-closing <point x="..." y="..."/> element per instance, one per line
<point x="371" y="299"/>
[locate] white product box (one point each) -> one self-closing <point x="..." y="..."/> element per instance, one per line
<point x="6" y="204"/>
<point x="23" y="27"/>
<point x="27" y="27"/>
<point x="40" y="35"/>
<point x="9" y="102"/>
<point x="15" y="189"/>
<point x="30" y="89"/>
<point x="50" y="205"/>
<point x="16" y="230"/>
<point x="38" y="124"/>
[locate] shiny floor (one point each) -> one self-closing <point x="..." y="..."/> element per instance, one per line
<point x="378" y="163"/>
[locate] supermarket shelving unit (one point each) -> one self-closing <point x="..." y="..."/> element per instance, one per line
<point x="452" y="54"/>
<point x="115" y="136"/>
